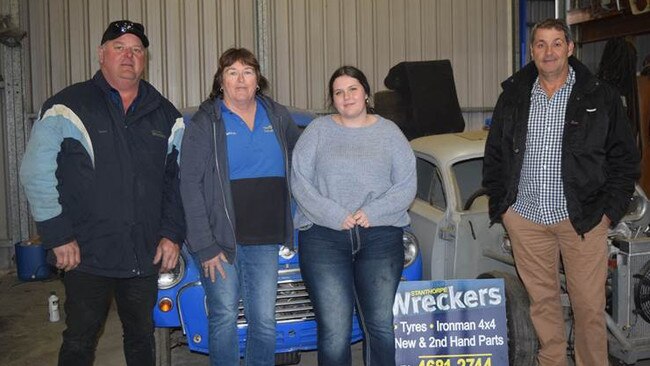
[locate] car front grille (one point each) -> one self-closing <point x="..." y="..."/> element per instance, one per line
<point x="292" y="303"/>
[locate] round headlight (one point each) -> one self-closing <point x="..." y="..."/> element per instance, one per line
<point x="411" y="248"/>
<point x="172" y="278"/>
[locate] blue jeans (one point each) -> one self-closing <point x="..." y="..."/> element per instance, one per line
<point x="253" y="278"/>
<point x="344" y="268"/>
<point x="87" y="301"/>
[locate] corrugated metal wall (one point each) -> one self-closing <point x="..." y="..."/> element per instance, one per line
<point x="186" y="37"/>
<point x="307" y="40"/>
<point x="13" y="206"/>
<point x="4" y="199"/>
<point x="312" y="38"/>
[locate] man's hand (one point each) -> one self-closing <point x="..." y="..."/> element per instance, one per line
<point x="68" y="256"/>
<point x="167" y="253"/>
<point x="212" y="266"/>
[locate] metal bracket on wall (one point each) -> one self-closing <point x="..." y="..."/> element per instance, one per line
<point x="10" y="35"/>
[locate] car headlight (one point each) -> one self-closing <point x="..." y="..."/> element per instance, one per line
<point x="411" y="248"/>
<point x="172" y="278"/>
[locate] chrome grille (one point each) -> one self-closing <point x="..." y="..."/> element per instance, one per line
<point x="292" y="303"/>
<point x="633" y="255"/>
<point x="639" y="327"/>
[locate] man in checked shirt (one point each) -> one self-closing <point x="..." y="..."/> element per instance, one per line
<point x="560" y="166"/>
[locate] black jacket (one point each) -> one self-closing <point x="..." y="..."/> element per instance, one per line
<point x="205" y="183"/>
<point x="600" y="161"/>
<point x="106" y="179"/>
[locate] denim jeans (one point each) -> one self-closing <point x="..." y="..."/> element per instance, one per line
<point x="342" y="269"/>
<point x="253" y="278"/>
<point x="87" y="301"/>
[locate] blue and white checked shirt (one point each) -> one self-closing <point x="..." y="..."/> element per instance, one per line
<point x="541" y="193"/>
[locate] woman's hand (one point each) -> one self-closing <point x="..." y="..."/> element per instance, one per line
<point x="348" y="223"/>
<point x="214" y="265"/>
<point x="361" y="219"/>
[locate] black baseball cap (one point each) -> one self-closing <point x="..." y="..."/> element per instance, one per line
<point x="120" y="27"/>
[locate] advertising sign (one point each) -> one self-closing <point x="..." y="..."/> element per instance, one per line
<point x="451" y="323"/>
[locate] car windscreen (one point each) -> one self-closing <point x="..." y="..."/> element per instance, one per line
<point x="468" y="175"/>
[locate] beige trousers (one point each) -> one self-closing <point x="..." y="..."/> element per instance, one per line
<point x="537" y="250"/>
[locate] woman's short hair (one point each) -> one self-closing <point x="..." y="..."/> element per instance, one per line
<point x="352" y="72"/>
<point x="228" y="58"/>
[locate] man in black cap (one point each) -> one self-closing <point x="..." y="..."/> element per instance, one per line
<point x="101" y="174"/>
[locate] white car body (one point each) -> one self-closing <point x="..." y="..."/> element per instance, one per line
<point x="455" y="243"/>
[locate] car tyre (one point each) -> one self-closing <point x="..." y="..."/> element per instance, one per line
<point x="289" y="358"/>
<point x="522" y="339"/>
<point x="162" y="338"/>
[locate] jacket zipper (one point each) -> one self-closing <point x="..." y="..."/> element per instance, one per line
<point x="223" y="195"/>
<point x="283" y="141"/>
<point x="137" y="270"/>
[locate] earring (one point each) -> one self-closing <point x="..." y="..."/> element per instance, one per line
<point x="257" y="88"/>
<point x="221" y="90"/>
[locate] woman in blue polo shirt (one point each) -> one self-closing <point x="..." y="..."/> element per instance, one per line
<point x="234" y="185"/>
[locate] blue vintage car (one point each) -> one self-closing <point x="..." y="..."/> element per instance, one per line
<point x="180" y="314"/>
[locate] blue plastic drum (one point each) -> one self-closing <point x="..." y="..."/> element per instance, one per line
<point x="31" y="263"/>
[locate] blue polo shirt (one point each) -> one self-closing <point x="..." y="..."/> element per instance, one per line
<point x="258" y="182"/>
<point x="252" y="154"/>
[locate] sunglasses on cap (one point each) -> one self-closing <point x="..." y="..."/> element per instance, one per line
<point x="120" y="27"/>
<point x="126" y="25"/>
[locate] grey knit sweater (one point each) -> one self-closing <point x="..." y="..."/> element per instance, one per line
<point x="338" y="170"/>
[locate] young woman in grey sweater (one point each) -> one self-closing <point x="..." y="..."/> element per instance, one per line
<point x="353" y="178"/>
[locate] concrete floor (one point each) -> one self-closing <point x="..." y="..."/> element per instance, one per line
<point x="27" y="338"/>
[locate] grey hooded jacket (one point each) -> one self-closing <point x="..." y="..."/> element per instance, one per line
<point x="205" y="184"/>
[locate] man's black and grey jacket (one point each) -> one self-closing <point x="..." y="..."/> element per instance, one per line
<point x="106" y="179"/>
<point x="600" y="160"/>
